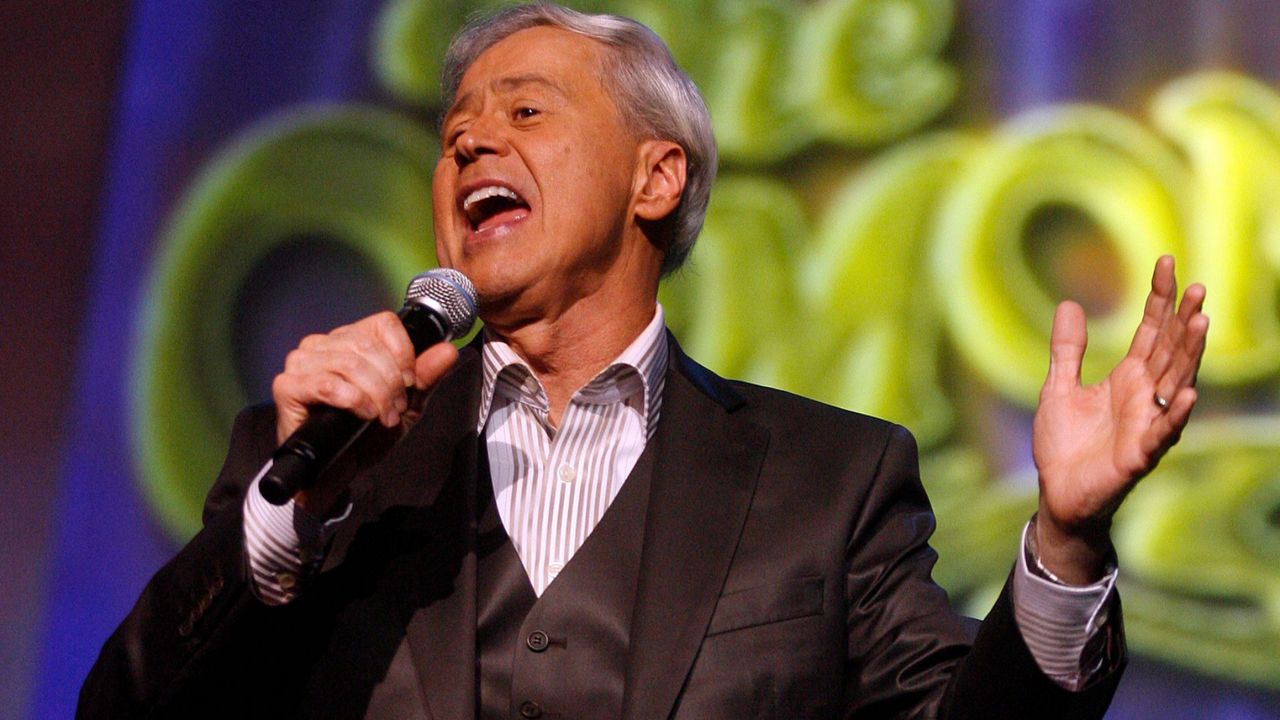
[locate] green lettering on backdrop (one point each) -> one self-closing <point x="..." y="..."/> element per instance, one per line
<point x="1201" y="551"/>
<point x="996" y="303"/>
<point x="778" y="75"/>
<point x="742" y="284"/>
<point x="1229" y="128"/>
<point x="917" y="284"/>
<point x="872" y="329"/>
<point x="356" y="177"/>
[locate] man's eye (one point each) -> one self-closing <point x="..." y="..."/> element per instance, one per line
<point x="524" y="113"/>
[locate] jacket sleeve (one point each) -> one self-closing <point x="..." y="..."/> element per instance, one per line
<point x="910" y="655"/>
<point x="171" y="640"/>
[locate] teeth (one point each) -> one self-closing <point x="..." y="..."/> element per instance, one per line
<point x="485" y="193"/>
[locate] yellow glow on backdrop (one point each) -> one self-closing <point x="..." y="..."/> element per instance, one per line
<point x="1229" y="129"/>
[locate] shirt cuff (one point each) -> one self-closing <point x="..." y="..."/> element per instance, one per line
<point x="285" y="544"/>
<point x="1058" y="621"/>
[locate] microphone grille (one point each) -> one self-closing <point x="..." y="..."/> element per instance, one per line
<point x="450" y="292"/>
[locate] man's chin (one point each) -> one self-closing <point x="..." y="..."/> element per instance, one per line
<point x="496" y="290"/>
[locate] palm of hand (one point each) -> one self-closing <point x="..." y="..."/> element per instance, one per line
<point x="1091" y="444"/>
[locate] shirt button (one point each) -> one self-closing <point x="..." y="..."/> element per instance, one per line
<point x="567" y="473"/>
<point x="530" y="710"/>
<point x="537" y="641"/>
<point x="554" y="568"/>
<point x="287" y="581"/>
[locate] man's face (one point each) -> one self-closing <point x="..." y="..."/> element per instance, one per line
<point x="536" y="176"/>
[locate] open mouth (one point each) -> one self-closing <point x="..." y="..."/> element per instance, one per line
<point x="492" y="206"/>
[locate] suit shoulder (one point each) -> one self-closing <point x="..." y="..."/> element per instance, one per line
<point x="774" y="407"/>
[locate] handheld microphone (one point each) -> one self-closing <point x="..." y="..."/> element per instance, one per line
<point x="439" y="305"/>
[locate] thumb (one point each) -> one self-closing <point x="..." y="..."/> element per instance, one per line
<point x="433" y="363"/>
<point x="1067" y="342"/>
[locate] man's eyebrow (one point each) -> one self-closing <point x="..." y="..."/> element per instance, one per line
<point x="459" y="103"/>
<point x="504" y="84"/>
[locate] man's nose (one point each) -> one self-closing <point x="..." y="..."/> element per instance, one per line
<point x="483" y="136"/>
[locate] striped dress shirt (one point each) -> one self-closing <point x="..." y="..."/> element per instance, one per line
<point x="553" y="484"/>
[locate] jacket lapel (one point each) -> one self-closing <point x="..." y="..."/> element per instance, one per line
<point x="706" y="467"/>
<point x="706" y="464"/>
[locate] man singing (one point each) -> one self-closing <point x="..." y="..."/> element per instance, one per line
<point x="571" y="518"/>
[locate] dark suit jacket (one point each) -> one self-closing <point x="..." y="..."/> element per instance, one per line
<point x="784" y="573"/>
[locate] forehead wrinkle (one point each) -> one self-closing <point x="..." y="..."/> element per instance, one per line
<point x="516" y="82"/>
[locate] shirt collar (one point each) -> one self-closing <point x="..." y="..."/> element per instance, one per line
<point x="640" y="370"/>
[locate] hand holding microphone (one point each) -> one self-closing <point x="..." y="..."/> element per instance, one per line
<point x="334" y="385"/>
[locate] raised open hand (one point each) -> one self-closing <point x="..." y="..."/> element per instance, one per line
<point x="1092" y="444"/>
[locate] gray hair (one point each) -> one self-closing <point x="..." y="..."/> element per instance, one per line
<point x="653" y="95"/>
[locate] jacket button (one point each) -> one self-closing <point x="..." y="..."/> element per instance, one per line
<point x="537" y="641"/>
<point x="530" y="709"/>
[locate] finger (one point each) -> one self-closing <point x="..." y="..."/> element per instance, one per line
<point x="384" y="341"/>
<point x="377" y="377"/>
<point x="1159" y="308"/>
<point x="433" y="363"/>
<point x="369" y="369"/>
<point x="363" y="367"/>
<point x="1185" y="362"/>
<point x="361" y="362"/>
<point x="326" y="387"/>
<point x="1192" y="302"/>
<point x="1067" y="342"/>
<point x="1198" y="333"/>
<point x="296" y="393"/>
<point x="1187" y="348"/>
<point x="1167" y="427"/>
<point x="290" y="412"/>
<point x="388" y="348"/>
<point x="1168" y="346"/>
<point x="390" y="330"/>
<point x="1180" y="408"/>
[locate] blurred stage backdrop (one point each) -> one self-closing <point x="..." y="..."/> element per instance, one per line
<point x="907" y="188"/>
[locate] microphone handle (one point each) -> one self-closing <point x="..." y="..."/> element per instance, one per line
<point x="328" y="431"/>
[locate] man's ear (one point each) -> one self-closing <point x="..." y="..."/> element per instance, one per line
<point x="660" y="175"/>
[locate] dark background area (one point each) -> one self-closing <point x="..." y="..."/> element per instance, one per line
<point x="58" y="66"/>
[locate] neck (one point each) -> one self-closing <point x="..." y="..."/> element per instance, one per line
<point x="568" y="349"/>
